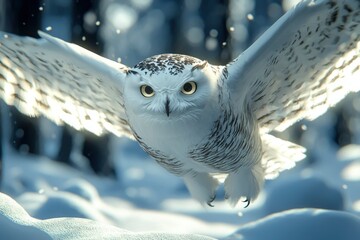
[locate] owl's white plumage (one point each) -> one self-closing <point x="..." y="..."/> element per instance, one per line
<point x="197" y="120"/>
<point x="48" y="75"/>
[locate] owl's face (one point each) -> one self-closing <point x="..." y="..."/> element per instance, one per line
<point x="170" y="88"/>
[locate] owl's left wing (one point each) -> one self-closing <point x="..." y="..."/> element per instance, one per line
<point x="64" y="82"/>
<point x="304" y="64"/>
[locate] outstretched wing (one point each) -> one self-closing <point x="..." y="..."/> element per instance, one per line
<point x="64" y="82"/>
<point x="304" y="64"/>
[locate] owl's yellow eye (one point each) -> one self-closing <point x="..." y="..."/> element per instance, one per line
<point x="189" y="88"/>
<point x="147" y="91"/>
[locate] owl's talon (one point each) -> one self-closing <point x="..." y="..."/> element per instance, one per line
<point x="247" y="201"/>
<point x="209" y="203"/>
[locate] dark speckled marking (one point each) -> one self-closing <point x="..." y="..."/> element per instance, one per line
<point x="172" y="63"/>
<point x="232" y="143"/>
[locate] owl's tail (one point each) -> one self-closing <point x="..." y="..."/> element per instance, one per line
<point x="279" y="155"/>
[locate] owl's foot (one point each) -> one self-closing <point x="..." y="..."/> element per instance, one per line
<point x="245" y="182"/>
<point x="202" y="187"/>
<point x="246" y="201"/>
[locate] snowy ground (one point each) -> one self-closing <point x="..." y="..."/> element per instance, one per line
<point x="146" y="202"/>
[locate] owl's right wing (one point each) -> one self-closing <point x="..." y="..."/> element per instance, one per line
<point x="64" y="82"/>
<point x="305" y="63"/>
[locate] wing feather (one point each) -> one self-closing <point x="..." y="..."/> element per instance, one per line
<point x="64" y="82"/>
<point x="304" y="64"/>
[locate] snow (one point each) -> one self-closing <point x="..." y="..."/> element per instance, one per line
<point x="44" y="199"/>
<point x="309" y="192"/>
<point x="49" y="190"/>
<point x="16" y="224"/>
<point x="300" y="224"/>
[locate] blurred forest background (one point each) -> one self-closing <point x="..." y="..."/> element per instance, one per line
<point x="132" y="30"/>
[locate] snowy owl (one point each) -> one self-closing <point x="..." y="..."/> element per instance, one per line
<point x="198" y="121"/>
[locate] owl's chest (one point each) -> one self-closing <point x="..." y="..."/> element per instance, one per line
<point x="233" y="142"/>
<point x="173" y="138"/>
<point x="170" y="140"/>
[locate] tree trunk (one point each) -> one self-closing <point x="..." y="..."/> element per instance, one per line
<point x="85" y="34"/>
<point x="23" y="18"/>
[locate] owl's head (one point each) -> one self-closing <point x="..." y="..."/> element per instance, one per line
<point x="170" y="87"/>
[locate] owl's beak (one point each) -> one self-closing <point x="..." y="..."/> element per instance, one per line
<point x="167" y="106"/>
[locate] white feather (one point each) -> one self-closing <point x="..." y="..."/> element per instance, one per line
<point x="64" y="82"/>
<point x="304" y="64"/>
